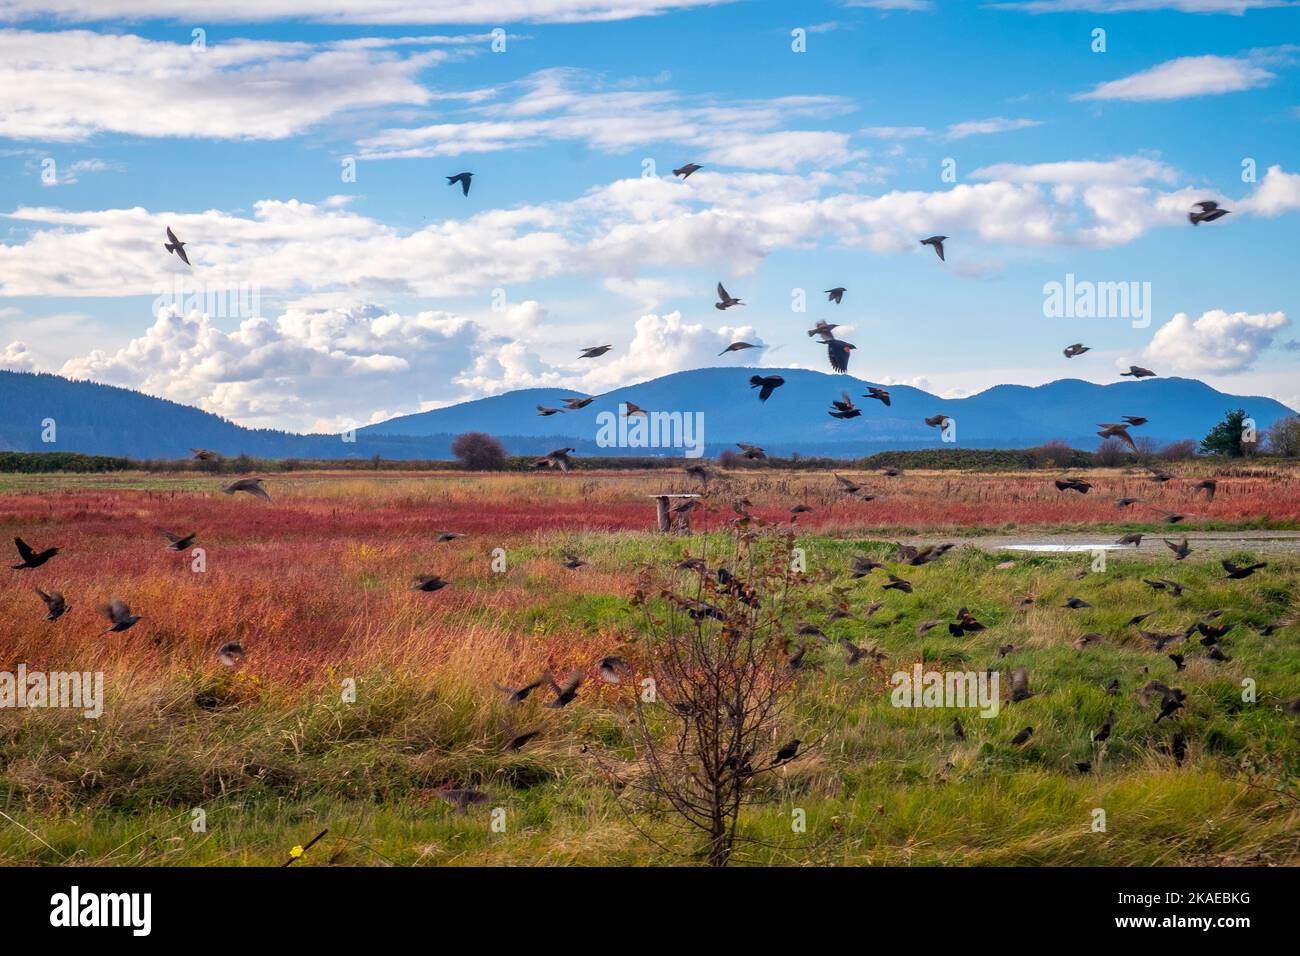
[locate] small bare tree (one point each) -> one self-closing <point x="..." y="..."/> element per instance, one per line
<point x="709" y="723"/>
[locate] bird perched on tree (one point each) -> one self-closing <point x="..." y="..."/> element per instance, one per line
<point x="1078" y="348"/>
<point x="464" y="179"/>
<point x="31" y="558"/>
<point x="1207" y="210"/>
<point x="175" y="246"/>
<point x="766" y="385"/>
<point x="725" y="299"/>
<point x="250" y="486"/>
<point x="937" y="242"/>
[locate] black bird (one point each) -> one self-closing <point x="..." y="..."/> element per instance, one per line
<point x="725" y="300"/>
<point x="119" y="616"/>
<point x="837" y="351"/>
<point x="231" y="653"/>
<point x="1073" y="484"/>
<point x="1236" y="573"/>
<point x="844" y="408"/>
<point x="898" y="584"/>
<point x="176" y="542"/>
<point x="204" y="454"/>
<point x="937" y="242"/>
<point x="572" y="561"/>
<point x="613" y="669"/>
<point x="573" y="404"/>
<point x="595" y="351"/>
<point x="1207" y="210"/>
<point x="1134" y="539"/>
<point x="737" y="346"/>
<point x="1180" y="550"/>
<point x="1160" y="641"/>
<point x="1160" y="584"/>
<point x="463" y="179"/>
<point x="751" y="452"/>
<point x="1083" y="766"/>
<point x="445" y="536"/>
<point x="1170" y="706"/>
<point x="1125" y="502"/>
<point x="877" y="393"/>
<point x="175" y="246"/>
<point x="685" y="171"/>
<point x="937" y="421"/>
<point x="520" y="694"/>
<point x="545" y="412"/>
<point x="1160" y="477"/>
<point x="252" y="486"/>
<point x="965" y="624"/>
<point x="1209" y="486"/>
<point x="1078" y="348"/>
<point x="788" y="752"/>
<point x="1178" y="749"/>
<point x="428" y="583"/>
<point x="1137" y="371"/>
<point x="824" y="329"/>
<point x="1216" y="654"/>
<point x="863" y="566"/>
<point x="1075" y="603"/>
<point x="1020" y="685"/>
<point x="1114" y="430"/>
<point x="54" y="603"/>
<point x="1134" y="420"/>
<point x="566" y="694"/>
<point x="1102" y="735"/>
<point x="1178" y="662"/>
<point x="836" y="295"/>
<point x="461" y="799"/>
<point x="556" y="459"/>
<point x="30" y="557"/>
<point x="1138" y="618"/>
<point x="958" y="730"/>
<point x="766" y="385"/>
<point x="1083" y="640"/>
<point x="517" y="739"/>
<point x="1022" y="737"/>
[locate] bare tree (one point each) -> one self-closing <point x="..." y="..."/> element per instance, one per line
<point x="715" y="717"/>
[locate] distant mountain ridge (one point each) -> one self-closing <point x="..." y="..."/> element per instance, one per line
<point x="107" y="420"/>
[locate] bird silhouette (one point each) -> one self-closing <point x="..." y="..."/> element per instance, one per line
<point x="55" y="605"/>
<point x="725" y="300"/>
<point x="464" y="180"/>
<point x="1207" y="210"/>
<point x="685" y="171"/>
<point x="836" y="295"/>
<point x="175" y="246"/>
<point x="31" y="558"/>
<point x="251" y="486"/>
<point x="119" y="616"/>
<point x="1078" y="348"/>
<point x="937" y="242"/>
<point x="595" y="351"/>
<point x="1137" y="371"/>
<point x="766" y="385"/>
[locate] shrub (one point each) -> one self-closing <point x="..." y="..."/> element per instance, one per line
<point x="479" y="451"/>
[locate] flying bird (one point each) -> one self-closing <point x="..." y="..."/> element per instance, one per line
<point x="1207" y="210"/>
<point x="1074" y="603"/>
<point x="31" y="558"/>
<point x="428" y="583"/>
<point x="445" y="536"/>
<point x="1078" y="348"/>
<point x="752" y="452"/>
<point x="463" y="179"/>
<point x="545" y="412"/>
<point x="55" y="605"/>
<point x="877" y="393"/>
<point x="119" y="616"/>
<point x="573" y="404"/>
<point x="461" y="799"/>
<point x="564" y="695"/>
<point x="1112" y="430"/>
<point x="937" y="421"/>
<point x="766" y="385"/>
<point x="1209" y="486"/>
<point x="203" y="454"/>
<point x="937" y="242"/>
<point x="837" y="351"/>
<point x="595" y="351"/>
<point x="1134" y="539"/>
<point x="824" y="329"/>
<point x="175" y="246"/>
<point x="572" y="561"/>
<point x="517" y="695"/>
<point x="613" y="669"/>
<point x="1135" y="420"/>
<point x="737" y="346"/>
<point x="631" y="409"/>
<point x="685" y="171"/>
<point x="176" y="542"/>
<point x="1073" y="484"/>
<point x="844" y="408"/>
<point x="1125" y="502"/>
<point x="1137" y="371"/>
<point x="836" y="295"/>
<point x="1020" y="685"/>
<point x="252" y="486"/>
<point x="725" y="300"/>
<point x="1180" y="550"/>
<point x="1236" y="573"/>
<point x="556" y="459"/>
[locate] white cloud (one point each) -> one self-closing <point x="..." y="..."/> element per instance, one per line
<point x="985" y="127"/>
<point x="1278" y="193"/>
<point x="1121" y="170"/>
<point x="16" y="357"/>
<point x="1217" y="342"/>
<point x="69" y="85"/>
<point x="1184" y="77"/>
<point x="1131" y="6"/>
<point x="489" y="12"/>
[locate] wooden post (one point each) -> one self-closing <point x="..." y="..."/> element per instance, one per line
<point x="661" y="504"/>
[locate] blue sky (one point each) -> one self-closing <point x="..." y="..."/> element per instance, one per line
<point x="821" y="168"/>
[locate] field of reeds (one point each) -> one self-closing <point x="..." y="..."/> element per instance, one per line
<point x="315" y="586"/>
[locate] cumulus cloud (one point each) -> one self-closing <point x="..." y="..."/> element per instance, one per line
<point x="1217" y="342"/>
<point x="69" y="85"/>
<point x="1121" y="170"/>
<point x="1278" y="193"/>
<point x="1184" y="77"/>
<point x="16" y="357"/>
